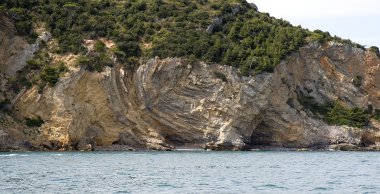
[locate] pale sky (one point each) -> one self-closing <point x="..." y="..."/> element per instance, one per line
<point x="358" y="20"/>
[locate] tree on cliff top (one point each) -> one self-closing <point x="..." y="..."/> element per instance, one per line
<point x="375" y="50"/>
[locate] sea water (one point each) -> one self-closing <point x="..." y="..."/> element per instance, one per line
<point x="190" y="172"/>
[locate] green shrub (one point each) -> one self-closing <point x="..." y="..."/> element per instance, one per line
<point x="50" y="75"/>
<point x="61" y="67"/>
<point x="311" y="104"/>
<point x="34" y="122"/>
<point x="376" y="114"/>
<point x="71" y="5"/>
<point x="132" y="62"/>
<point x="357" y="81"/>
<point x="24" y="27"/>
<point x="17" y="13"/>
<point x="83" y="61"/>
<point x="341" y="115"/>
<point x="131" y="49"/>
<point x="2" y="9"/>
<point x="99" y="62"/>
<point x="34" y="64"/>
<point x="99" y="46"/>
<point x="216" y="6"/>
<point x="95" y="62"/>
<point x="335" y="113"/>
<point x="192" y="59"/>
<point x="20" y="82"/>
<point x="321" y="36"/>
<point x="119" y="54"/>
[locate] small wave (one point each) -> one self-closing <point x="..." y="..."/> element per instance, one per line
<point x="274" y="186"/>
<point x="189" y="150"/>
<point x="12" y="155"/>
<point x="321" y="189"/>
<point x="271" y="186"/>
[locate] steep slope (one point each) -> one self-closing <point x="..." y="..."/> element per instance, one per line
<point x="325" y="95"/>
<point x="170" y="103"/>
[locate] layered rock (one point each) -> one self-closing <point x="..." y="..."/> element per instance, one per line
<point x="169" y="103"/>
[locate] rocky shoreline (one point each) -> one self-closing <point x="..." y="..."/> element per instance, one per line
<point x="256" y="148"/>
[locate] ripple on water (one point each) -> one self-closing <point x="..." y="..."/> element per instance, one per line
<point x="271" y="187"/>
<point x="322" y="189"/>
<point x="189" y="172"/>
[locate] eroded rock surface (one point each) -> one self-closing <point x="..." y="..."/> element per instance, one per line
<point x="169" y="103"/>
<point x="15" y="50"/>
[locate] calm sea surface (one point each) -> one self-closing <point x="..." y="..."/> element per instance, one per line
<point x="190" y="172"/>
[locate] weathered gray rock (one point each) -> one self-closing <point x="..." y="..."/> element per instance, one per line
<point x="15" y="51"/>
<point x="216" y="22"/>
<point x="219" y="20"/>
<point x="254" y="6"/>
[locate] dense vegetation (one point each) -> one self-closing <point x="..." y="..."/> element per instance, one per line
<point x="340" y="115"/>
<point x="336" y="114"/>
<point x="241" y="37"/>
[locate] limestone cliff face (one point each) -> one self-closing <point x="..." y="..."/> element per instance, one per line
<point x="169" y="103"/>
<point x="15" y="50"/>
<point x="324" y="72"/>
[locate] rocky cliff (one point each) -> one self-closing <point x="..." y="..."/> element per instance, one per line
<point x="171" y="103"/>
